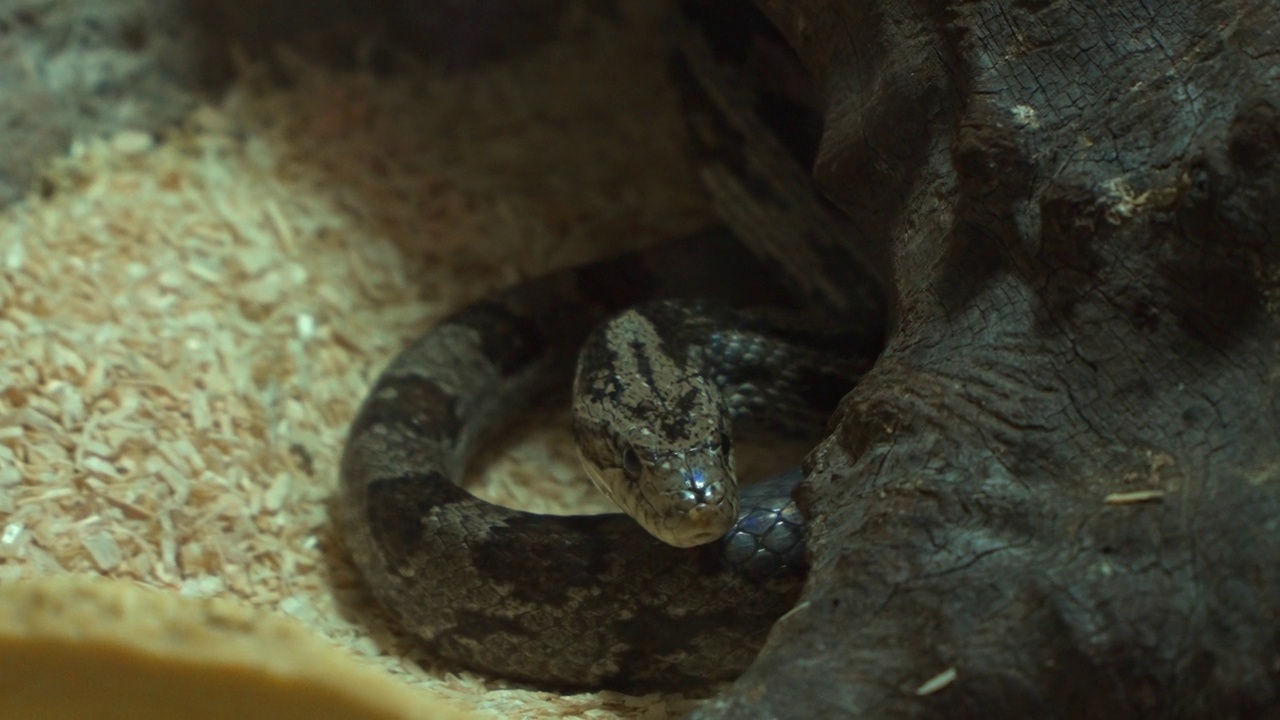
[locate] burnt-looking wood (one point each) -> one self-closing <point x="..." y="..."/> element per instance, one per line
<point x="1082" y="203"/>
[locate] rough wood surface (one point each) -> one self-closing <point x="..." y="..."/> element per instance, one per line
<point x="1056" y="495"/>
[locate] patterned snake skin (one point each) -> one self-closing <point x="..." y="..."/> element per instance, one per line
<point x="594" y="600"/>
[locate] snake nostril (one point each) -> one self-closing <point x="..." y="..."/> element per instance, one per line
<point x="698" y="496"/>
<point x="700" y="489"/>
<point x="705" y="498"/>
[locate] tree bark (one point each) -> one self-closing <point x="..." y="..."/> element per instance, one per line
<point x="1056" y="495"/>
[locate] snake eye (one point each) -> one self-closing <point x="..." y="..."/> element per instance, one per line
<point x="631" y="462"/>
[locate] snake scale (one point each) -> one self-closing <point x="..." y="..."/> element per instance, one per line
<point x="597" y="601"/>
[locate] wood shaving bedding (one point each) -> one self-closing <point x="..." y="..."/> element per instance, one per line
<point x="187" y="326"/>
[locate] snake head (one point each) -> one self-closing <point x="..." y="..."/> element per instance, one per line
<point x="653" y="433"/>
<point x="685" y="495"/>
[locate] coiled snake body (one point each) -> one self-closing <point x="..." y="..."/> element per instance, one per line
<point x="592" y="600"/>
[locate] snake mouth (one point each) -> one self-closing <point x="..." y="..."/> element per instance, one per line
<point x="700" y="523"/>
<point x="708" y="523"/>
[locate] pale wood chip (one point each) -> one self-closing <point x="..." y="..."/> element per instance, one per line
<point x="938" y="682"/>
<point x="103" y="549"/>
<point x="1134" y="497"/>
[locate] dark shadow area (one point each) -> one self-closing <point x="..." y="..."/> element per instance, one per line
<point x="83" y="69"/>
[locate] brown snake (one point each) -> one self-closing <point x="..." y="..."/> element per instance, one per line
<point x="595" y="600"/>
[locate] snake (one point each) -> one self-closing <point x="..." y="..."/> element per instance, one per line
<point x="668" y="353"/>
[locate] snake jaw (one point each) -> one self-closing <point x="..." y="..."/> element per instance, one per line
<point x="691" y="497"/>
<point x="703" y="508"/>
<point x="701" y="523"/>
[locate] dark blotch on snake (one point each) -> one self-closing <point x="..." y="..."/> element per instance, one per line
<point x="399" y="506"/>
<point x="575" y="566"/>
<point x="511" y="341"/>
